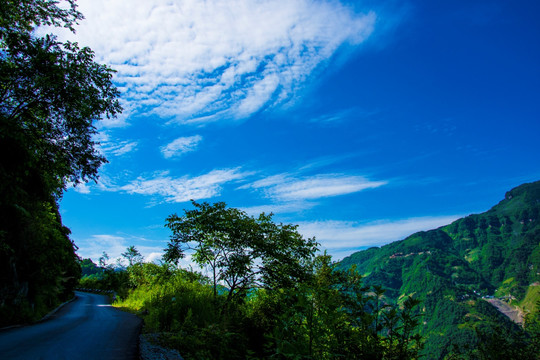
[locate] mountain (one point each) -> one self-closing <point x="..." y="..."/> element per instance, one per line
<point x="468" y="274"/>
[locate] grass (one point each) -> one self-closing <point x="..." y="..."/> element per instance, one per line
<point x="529" y="302"/>
<point x="507" y="287"/>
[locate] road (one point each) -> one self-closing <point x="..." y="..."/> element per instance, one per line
<point x="87" y="328"/>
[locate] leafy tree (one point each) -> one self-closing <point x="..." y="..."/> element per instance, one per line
<point x="88" y="267"/>
<point x="51" y="93"/>
<point x="336" y="316"/>
<point x="239" y="250"/>
<point x="132" y="255"/>
<point x="532" y="327"/>
<point x="104" y="260"/>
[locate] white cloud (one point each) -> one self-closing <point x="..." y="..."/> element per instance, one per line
<point x="283" y="187"/>
<point x="324" y="186"/>
<point x="120" y="148"/>
<point x="283" y="208"/>
<point x="269" y="181"/>
<point x="153" y="257"/>
<point x="198" y="61"/>
<point x="82" y="188"/>
<point x="114" y="146"/>
<point x="94" y="247"/>
<point x="342" y="237"/>
<point x="184" y="188"/>
<point x="181" y="146"/>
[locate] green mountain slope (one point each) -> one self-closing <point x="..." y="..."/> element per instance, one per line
<point x="459" y="270"/>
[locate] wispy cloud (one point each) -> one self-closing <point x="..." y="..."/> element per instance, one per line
<point x="198" y="61"/>
<point x="181" y="146"/>
<point x="283" y="208"/>
<point x="324" y="186"/>
<point x="82" y="188"/>
<point x="184" y="188"/>
<point x="342" y="237"/>
<point x="334" y="117"/>
<point x="339" y="116"/>
<point x="121" y="148"/>
<point x="110" y="146"/>
<point x="316" y="165"/>
<point x="284" y="187"/>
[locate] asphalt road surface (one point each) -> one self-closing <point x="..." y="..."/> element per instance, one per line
<point x="87" y="328"/>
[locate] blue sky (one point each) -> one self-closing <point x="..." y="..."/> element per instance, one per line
<point x="360" y="121"/>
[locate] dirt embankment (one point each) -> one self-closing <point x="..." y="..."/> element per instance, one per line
<point x="512" y="312"/>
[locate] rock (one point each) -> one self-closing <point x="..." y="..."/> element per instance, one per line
<point x="150" y="351"/>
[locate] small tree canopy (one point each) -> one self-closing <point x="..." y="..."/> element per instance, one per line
<point x="132" y="255"/>
<point x="240" y="251"/>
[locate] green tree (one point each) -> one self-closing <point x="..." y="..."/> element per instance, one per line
<point x="335" y="316"/>
<point x="132" y="255"/>
<point x="88" y="267"/>
<point x="51" y="93"/>
<point x="240" y="251"/>
<point x="104" y="261"/>
<point x="532" y="327"/>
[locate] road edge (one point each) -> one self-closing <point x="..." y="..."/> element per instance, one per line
<point x="52" y="312"/>
<point x="44" y="318"/>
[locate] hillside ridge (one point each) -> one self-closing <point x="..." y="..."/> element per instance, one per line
<point x="462" y="269"/>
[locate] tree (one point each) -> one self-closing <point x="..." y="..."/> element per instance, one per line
<point x="88" y="268"/>
<point x="133" y="256"/>
<point x="335" y="316"/>
<point x="240" y="251"/>
<point x="51" y="93"/>
<point x="104" y="261"/>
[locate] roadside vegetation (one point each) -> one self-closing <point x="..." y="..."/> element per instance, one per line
<point x="51" y="95"/>
<point x="419" y="298"/>
<point x="269" y="293"/>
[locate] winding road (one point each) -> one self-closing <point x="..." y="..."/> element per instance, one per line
<point x="86" y="328"/>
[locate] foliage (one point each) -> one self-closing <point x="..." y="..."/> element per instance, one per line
<point x="117" y="280"/>
<point x="23" y="16"/>
<point x="181" y="307"/>
<point x="132" y="255"/>
<point x="532" y="327"/>
<point x="88" y="267"/>
<point x="329" y="315"/>
<point x="452" y="268"/>
<point x="50" y="95"/>
<point x="532" y="298"/>
<point x="240" y="251"/>
<point x="31" y="285"/>
<point x="336" y="316"/>
<point x="497" y="343"/>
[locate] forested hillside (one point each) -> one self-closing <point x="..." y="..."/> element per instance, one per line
<point x="460" y="270"/>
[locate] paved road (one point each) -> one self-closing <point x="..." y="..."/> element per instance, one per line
<point x="87" y="328"/>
